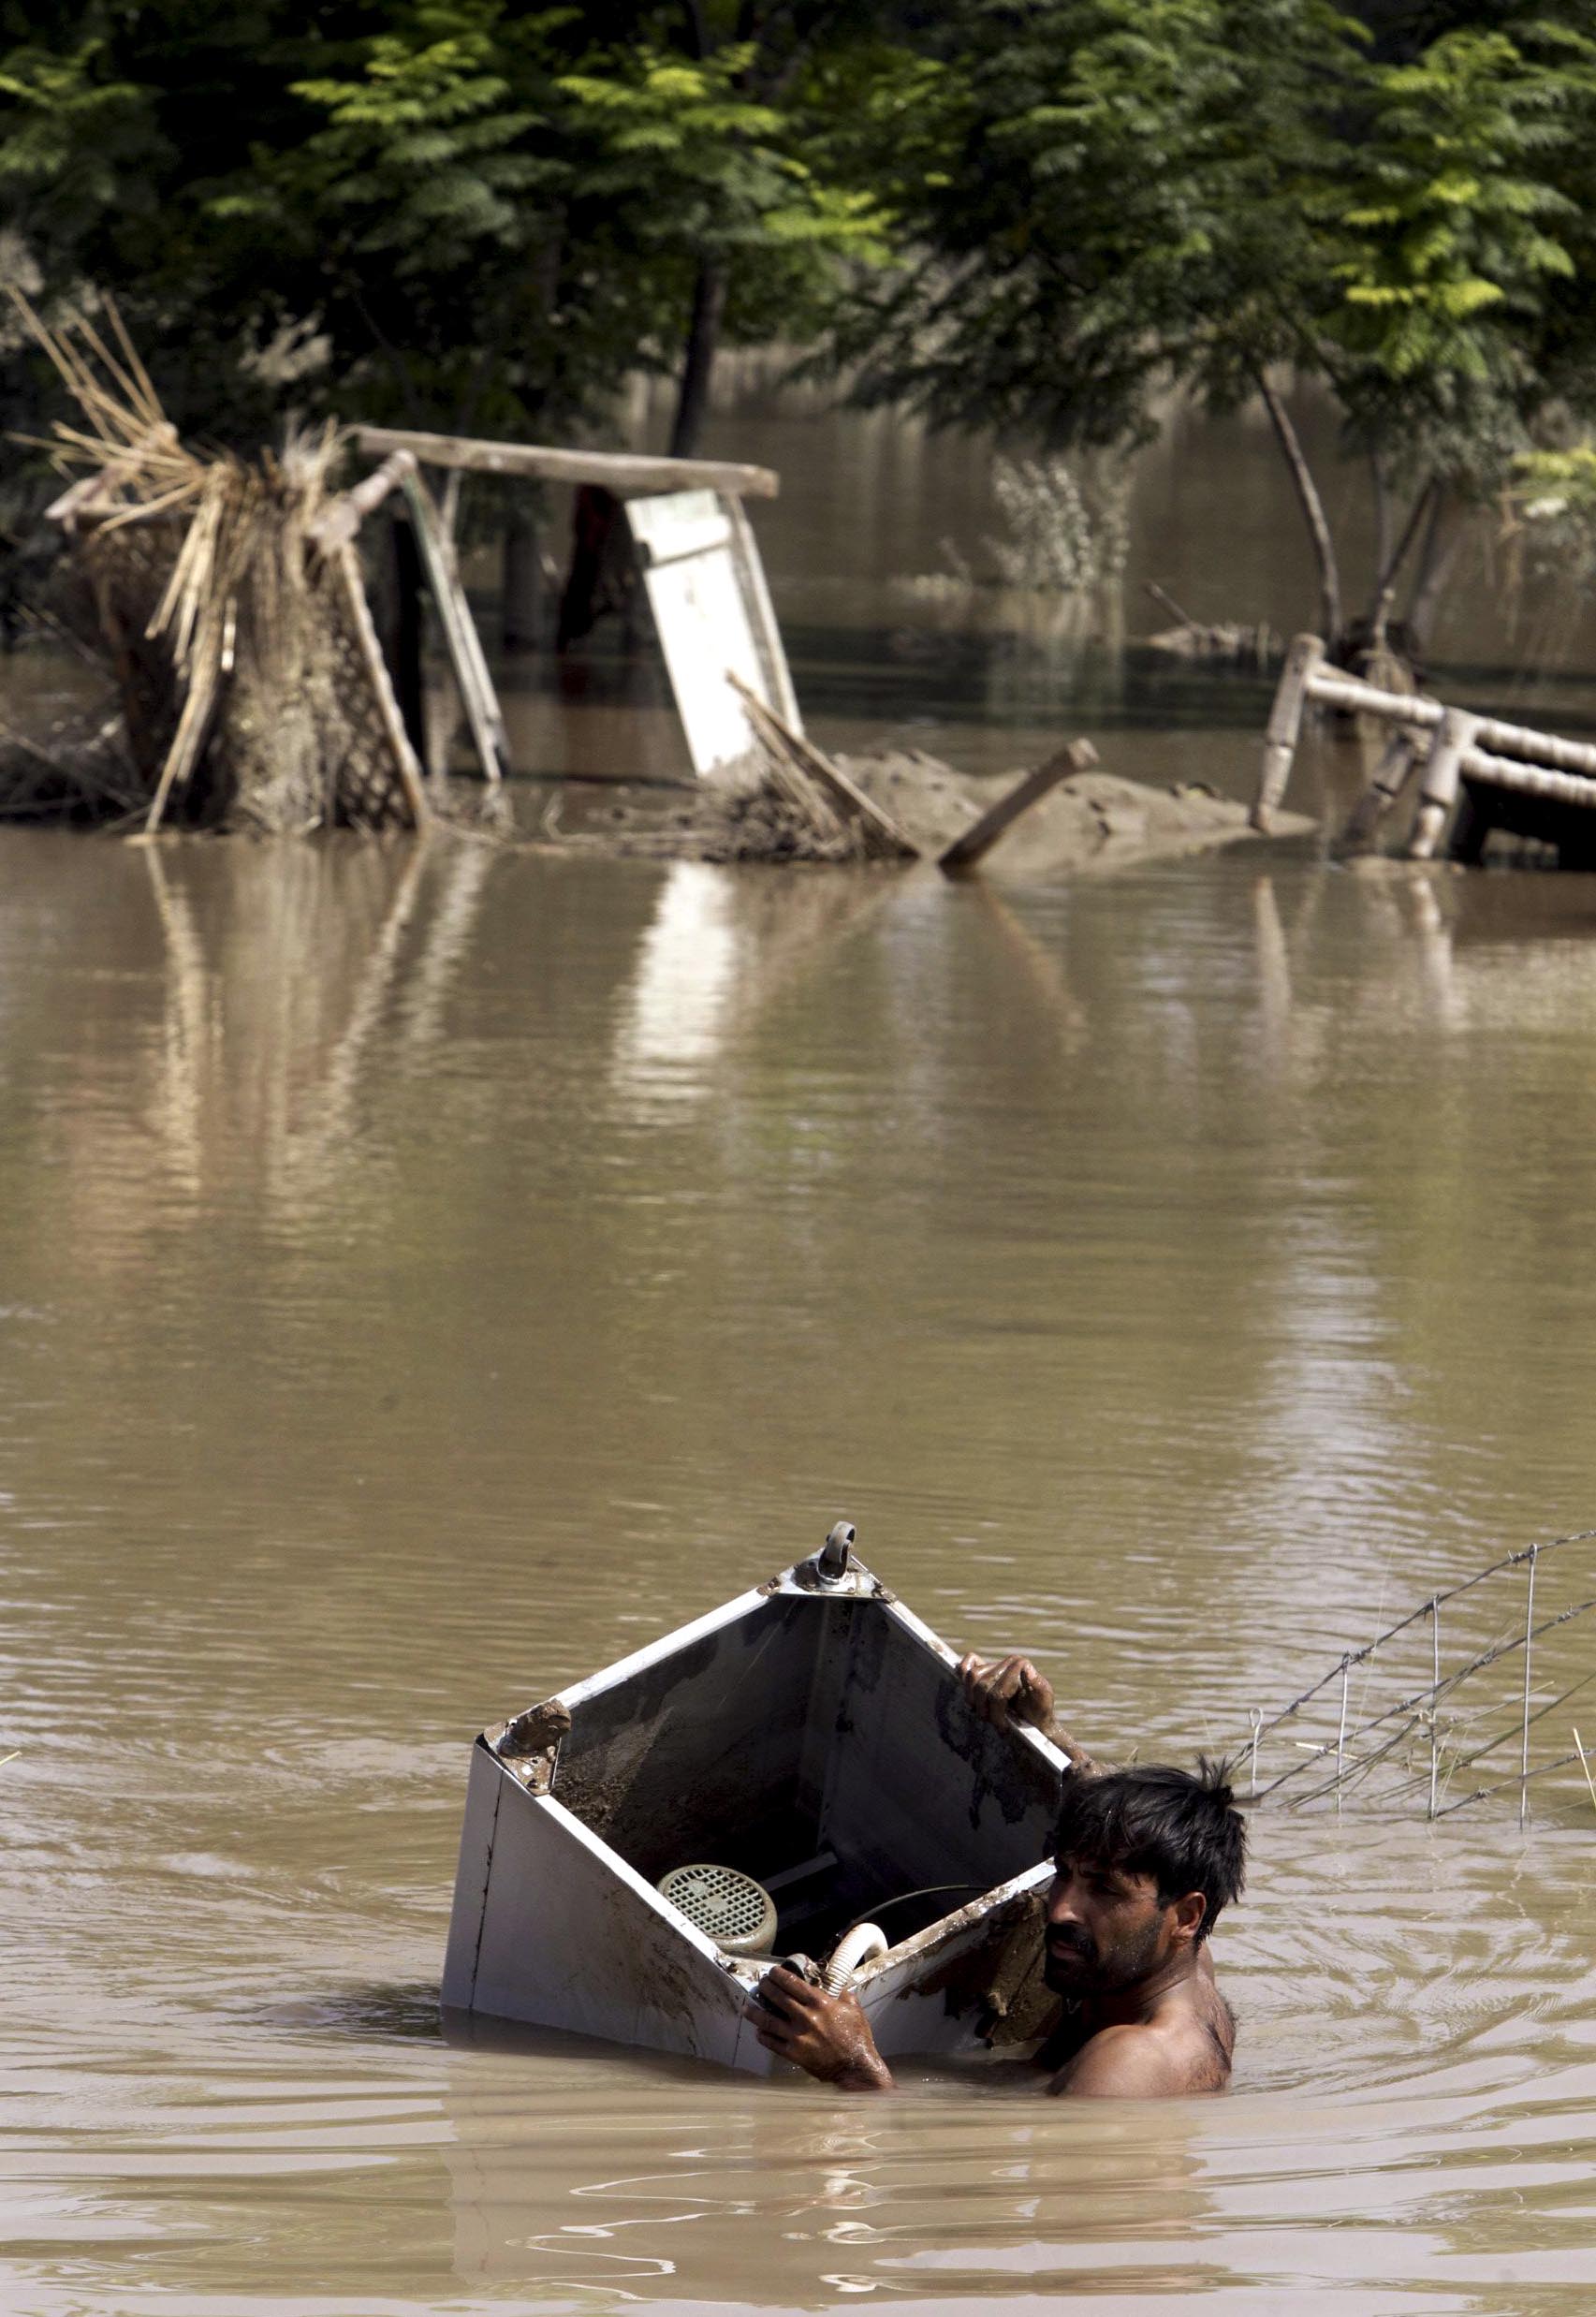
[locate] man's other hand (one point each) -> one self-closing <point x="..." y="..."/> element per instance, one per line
<point x="1011" y="1690"/>
<point x="828" y="2036"/>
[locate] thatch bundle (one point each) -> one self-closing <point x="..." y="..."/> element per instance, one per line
<point x="230" y="600"/>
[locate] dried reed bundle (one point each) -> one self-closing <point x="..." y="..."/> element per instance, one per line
<point x="253" y="690"/>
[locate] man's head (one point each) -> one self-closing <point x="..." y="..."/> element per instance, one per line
<point x="1146" y="1860"/>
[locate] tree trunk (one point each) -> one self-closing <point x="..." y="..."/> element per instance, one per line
<point x="703" y="340"/>
<point x="600" y="551"/>
<point x="522" y="599"/>
<point x="1391" y="564"/>
<point x="1314" y="516"/>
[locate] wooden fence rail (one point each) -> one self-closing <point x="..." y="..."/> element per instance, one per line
<point x="1445" y="746"/>
<point x="624" y="472"/>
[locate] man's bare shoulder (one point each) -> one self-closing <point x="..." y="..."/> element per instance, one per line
<point x="1183" y="2050"/>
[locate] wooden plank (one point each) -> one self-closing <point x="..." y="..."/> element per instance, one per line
<point x="850" y="799"/>
<point x="768" y="635"/>
<point x="679" y="523"/>
<point x="981" y="835"/>
<point x="338" y="523"/>
<point x="624" y="472"/>
<point x="703" y="610"/>
<point x="398" y="740"/>
<point x="464" y="644"/>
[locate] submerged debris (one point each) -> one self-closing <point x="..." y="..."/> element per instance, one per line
<point x="1087" y="819"/>
<point x="757" y="820"/>
<point x="72" y="766"/>
<point x="232" y="615"/>
<point x="1231" y="640"/>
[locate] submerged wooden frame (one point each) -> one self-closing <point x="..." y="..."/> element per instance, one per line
<point x="1450" y="749"/>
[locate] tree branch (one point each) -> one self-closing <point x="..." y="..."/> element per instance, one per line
<point x="1385" y="578"/>
<point x="1442" y="539"/>
<point x="1312" y="508"/>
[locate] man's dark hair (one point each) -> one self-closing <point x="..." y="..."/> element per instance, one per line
<point x="1182" y="1829"/>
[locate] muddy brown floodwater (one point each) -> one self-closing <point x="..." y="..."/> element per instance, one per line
<point x="426" y="1276"/>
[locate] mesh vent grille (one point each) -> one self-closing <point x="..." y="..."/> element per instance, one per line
<point x="735" y="1910"/>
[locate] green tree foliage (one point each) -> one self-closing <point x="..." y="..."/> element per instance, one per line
<point x="454" y="211"/>
<point x="1113" y="200"/>
<point x="466" y="214"/>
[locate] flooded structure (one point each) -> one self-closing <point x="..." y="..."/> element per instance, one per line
<point x="1475" y="773"/>
<point x="792" y="1772"/>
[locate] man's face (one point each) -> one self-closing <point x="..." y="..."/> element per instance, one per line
<point x="1105" y="1928"/>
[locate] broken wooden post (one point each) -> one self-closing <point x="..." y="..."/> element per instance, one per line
<point x="1391" y="776"/>
<point x="848" y="798"/>
<point x="982" y="834"/>
<point x="392" y="724"/>
<point x="1438" y="789"/>
<point x="464" y="646"/>
<point x="1285" y="726"/>
<point x="338" y="522"/>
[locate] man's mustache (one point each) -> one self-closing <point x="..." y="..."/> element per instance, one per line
<point x="1071" y="1943"/>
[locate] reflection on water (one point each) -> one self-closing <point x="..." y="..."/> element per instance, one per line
<point x="428" y="1273"/>
<point x="718" y="948"/>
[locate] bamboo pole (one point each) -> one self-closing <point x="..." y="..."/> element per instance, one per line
<point x="1438" y="788"/>
<point x="1329" y="689"/>
<point x="1391" y="776"/>
<point x="1517" y="739"/>
<point x="338" y="522"/>
<point x="1336" y="690"/>
<point x="1284" y="728"/>
<point x="464" y="646"/>
<point x="1529" y="779"/>
<point x="359" y="611"/>
<point x="90" y="490"/>
<point x="204" y="686"/>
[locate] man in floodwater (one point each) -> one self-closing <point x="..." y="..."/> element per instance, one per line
<point x="1146" y="1859"/>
